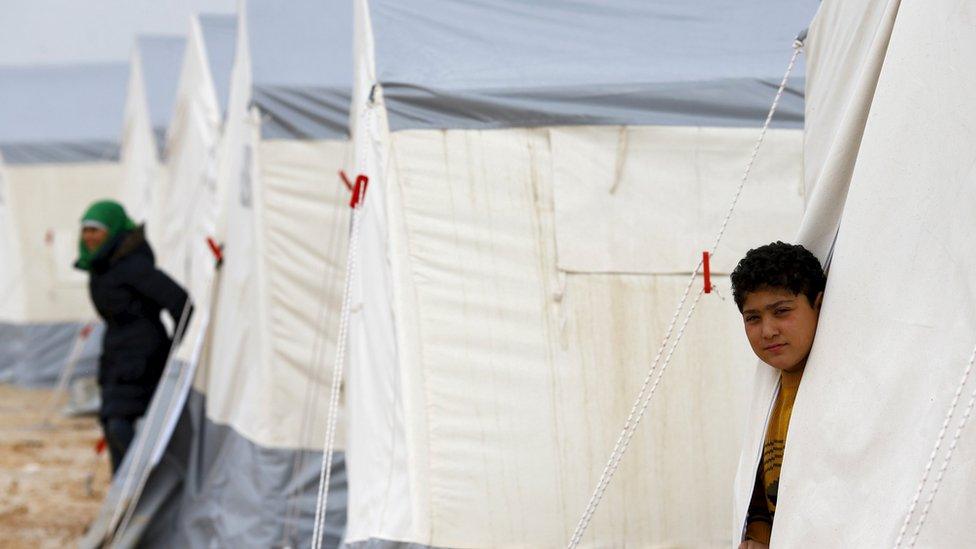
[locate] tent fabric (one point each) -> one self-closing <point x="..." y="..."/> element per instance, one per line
<point x="249" y="424"/>
<point x="173" y="459"/>
<point x="61" y="114"/>
<point x="487" y="380"/>
<point x="214" y="486"/>
<point x="303" y="113"/>
<point x="11" y="300"/>
<point x="306" y="96"/>
<point x="184" y="207"/>
<point x="150" y="98"/>
<point x="186" y="193"/>
<point x="246" y="513"/>
<point x="888" y="142"/>
<point x="838" y="115"/>
<point x="481" y="283"/>
<point x="375" y="543"/>
<point x="59" y="131"/>
<point x="61" y="152"/>
<point x="284" y="223"/>
<point x="140" y="151"/>
<point x="254" y="424"/>
<point x="160" y="57"/>
<point x="43" y="286"/>
<point x="296" y="219"/>
<point x="608" y="179"/>
<point x="219" y="38"/>
<point x="34" y="354"/>
<point x="551" y="63"/>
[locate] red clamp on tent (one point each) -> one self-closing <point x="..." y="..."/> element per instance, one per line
<point x="707" y="272"/>
<point x="86" y="330"/>
<point x="359" y="191"/>
<point x="100" y="445"/>
<point x="216" y="250"/>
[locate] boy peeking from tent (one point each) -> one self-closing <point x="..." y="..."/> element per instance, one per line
<point x="778" y="289"/>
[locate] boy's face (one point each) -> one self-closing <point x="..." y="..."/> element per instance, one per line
<point x="780" y="326"/>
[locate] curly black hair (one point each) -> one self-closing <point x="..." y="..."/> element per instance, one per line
<point x="778" y="265"/>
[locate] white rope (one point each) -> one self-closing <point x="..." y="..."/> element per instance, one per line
<point x="310" y="402"/>
<point x="311" y="399"/>
<point x="935" y="450"/>
<point x="325" y="474"/>
<point x="650" y="380"/>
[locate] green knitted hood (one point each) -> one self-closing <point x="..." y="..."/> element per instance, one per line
<point x="109" y="215"/>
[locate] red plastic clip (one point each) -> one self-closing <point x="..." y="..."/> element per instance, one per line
<point x="707" y="272"/>
<point x="100" y="445"/>
<point x="86" y="330"/>
<point x="359" y="191"/>
<point x="345" y="179"/>
<point x="216" y="250"/>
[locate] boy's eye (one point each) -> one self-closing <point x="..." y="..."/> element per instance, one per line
<point x="782" y="311"/>
<point x="751" y="318"/>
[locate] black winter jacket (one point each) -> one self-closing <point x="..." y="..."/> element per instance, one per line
<point x="129" y="293"/>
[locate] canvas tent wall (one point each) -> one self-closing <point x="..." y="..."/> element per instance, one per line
<point x="276" y="312"/>
<point x="184" y="210"/>
<point x="252" y="430"/>
<point x="154" y="70"/>
<point x="543" y="177"/>
<point x="878" y="456"/>
<point x="59" y="137"/>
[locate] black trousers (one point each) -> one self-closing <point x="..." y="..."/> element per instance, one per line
<point x="119" y="432"/>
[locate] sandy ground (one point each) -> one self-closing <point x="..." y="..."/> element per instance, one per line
<point x="45" y="499"/>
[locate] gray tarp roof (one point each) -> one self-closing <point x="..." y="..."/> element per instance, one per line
<point x="66" y="113"/>
<point x="301" y="59"/>
<point x="162" y="59"/>
<point x="220" y="40"/>
<point x="505" y="63"/>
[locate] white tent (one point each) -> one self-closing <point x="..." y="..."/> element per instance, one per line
<point x="184" y="206"/>
<point x="881" y="446"/>
<point x="154" y="70"/>
<point x="543" y="178"/>
<point x="248" y="444"/>
<point x="59" y="137"/>
<point x="284" y="229"/>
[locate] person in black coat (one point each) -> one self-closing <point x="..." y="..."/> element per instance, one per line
<point x="129" y="293"/>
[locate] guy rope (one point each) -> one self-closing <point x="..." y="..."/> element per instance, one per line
<point x="935" y="452"/>
<point x="325" y="320"/>
<point x="357" y="203"/>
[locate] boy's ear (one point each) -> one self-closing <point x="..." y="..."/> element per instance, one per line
<point x="818" y="301"/>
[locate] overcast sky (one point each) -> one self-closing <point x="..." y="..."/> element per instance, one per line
<point x="48" y="32"/>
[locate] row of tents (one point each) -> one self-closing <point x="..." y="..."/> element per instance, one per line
<point x="542" y="180"/>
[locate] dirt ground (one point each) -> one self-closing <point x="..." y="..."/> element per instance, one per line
<point x="45" y="500"/>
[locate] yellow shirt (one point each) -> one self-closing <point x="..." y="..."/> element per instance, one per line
<point x="762" y="508"/>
